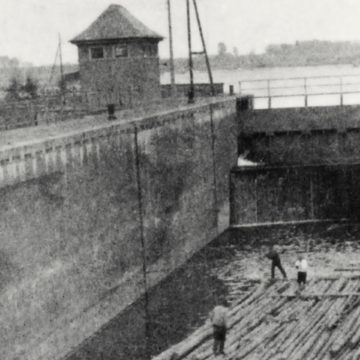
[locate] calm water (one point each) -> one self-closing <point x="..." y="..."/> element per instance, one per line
<point x="228" y="267"/>
<point x="332" y="84"/>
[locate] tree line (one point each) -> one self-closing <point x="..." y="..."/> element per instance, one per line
<point x="301" y="53"/>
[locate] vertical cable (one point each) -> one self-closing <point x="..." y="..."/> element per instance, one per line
<point x="191" y="91"/>
<point x="171" y="49"/>
<point x="212" y="128"/>
<point x="204" y="48"/>
<point x="142" y="240"/>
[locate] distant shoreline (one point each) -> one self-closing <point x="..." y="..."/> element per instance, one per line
<point x="299" y="54"/>
<point x="184" y="71"/>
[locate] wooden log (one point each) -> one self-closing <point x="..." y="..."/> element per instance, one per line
<point x="355" y="338"/>
<point x="337" y="332"/>
<point x="257" y="315"/>
<point x="336" y="312"/>
<point x="249" y="324"/>
<point x="292" y="331"/>
<point x="253" y="307"/>
<point x="318" y="287"/>
<point x="337" y="285"/>
<point x="272" y="344"/>
<point x="329" y="290"/>
<point x="355" y="354"/>
<point x="318" y="346"/>
<point x="340" y="284"/>
<point x="304" y="326"/>
<point x="243" y="335"/>
<point x="346" y="269"/>
<point x="347" y="354"/>
<point x="315" y="285"/>
<point x="318" y="296"/>
<point x="353" y="285"/>
<point x="204" y="333"/>
<point x="294" y="312"/>
<point x="311" y="336"/>
<point x="242" y="353"/>
<point x="342" y="336"/>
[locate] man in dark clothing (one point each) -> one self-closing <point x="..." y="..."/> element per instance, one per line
<point x="274" y="256"/>
<point x="219" y="320"/>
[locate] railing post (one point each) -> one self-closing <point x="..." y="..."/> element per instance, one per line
<point x="305" y="93"/>
<point x="240" y="88"/>
<point x="341" y="92"/>
<point x="269" y="94"/>
<point x="231" y="90"/>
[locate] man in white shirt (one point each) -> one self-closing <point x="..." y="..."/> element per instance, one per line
<point x="301" y="265"/>
<point x="219" y="320"/>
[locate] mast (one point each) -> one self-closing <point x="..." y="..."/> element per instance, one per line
<point x="204" y="48"/>
<point x="172" y="70"/>
<point x="191" y="90"/>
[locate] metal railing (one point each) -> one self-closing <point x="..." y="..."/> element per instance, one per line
<point x="304" y="87"/>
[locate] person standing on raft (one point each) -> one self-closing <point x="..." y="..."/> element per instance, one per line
<point x="274" y="256"/>
<point x="301" y="266"/>
<point x="219" y="321"/>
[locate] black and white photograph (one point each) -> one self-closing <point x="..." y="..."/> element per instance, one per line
<point x="179" y="180"/>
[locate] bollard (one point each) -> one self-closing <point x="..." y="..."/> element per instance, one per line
<point x="191" y="96"/>
<point x="231" y="90"/>
<point x="111" y="111"/>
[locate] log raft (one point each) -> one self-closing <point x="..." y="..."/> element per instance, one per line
<point x="274" y="321"/>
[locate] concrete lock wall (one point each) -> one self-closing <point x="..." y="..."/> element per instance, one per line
<point x="272" y="194"/>
<point x="308" y="168"/>
<point x="301" y="135"/>
<point x="71" y="231"/>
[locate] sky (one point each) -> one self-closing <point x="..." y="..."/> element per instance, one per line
<point x="29" y="28"/>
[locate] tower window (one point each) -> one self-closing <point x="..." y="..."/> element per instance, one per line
<point x="121" y="51"/>
<point x="97" y="53"/>
<point x="149" y="50"/>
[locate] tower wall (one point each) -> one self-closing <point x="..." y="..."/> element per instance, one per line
<point x="124" y="81"/>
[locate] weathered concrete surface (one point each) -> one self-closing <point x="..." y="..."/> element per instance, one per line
<point x="71" y="250"/>
<point x="303" y="119"/>
<point x="294" y="193"/>
<point x="301" y="135"/>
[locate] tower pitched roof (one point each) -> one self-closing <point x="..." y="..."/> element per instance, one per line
<point x="114" y="23"/>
